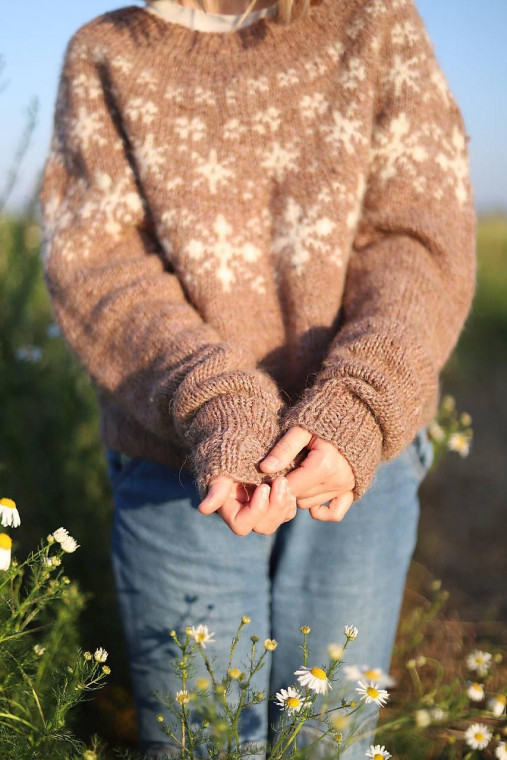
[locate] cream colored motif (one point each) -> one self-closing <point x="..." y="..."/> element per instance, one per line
<point x="212" y="171"/>
<point x="222" y="251"/>
<point x="404" y="73"/>
<point x="266" y="121"/>
<point x="345" y="131"/>
<point x="404" y="33"/>
<point x="454" y="161"/>
<point x="150" y="157"/>
<point x="313" y="105"/>
<point x="279" y="159"/>
<point x="186" y="128"/>
<point x="353" y="74"/>
<point x="139" y="108"/>
<point x="300" y="231"/>
<point x="85" y="129"/>
<point x="397" y="148"/>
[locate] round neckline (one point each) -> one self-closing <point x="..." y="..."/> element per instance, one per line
<point x="200" y="12"/>
<point x="264" y="46"/>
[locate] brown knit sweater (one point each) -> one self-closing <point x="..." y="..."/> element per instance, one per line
<point x="258" y="229"/>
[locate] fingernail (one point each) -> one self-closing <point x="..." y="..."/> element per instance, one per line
<point x="272" y="463"/>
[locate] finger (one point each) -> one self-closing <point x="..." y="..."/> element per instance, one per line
<point x="219" y="491"/>
<point x="282" y="454"/>
<point x="316" y="501"/>
<point x="250" y="514"/>
<point x="282" y="508"/>
<point x="336" y="510"/>
<point x="309" y="476"/>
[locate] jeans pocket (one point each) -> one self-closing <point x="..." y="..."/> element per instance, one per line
<point x="420" y="452"/>
<point x="120" y="466"/>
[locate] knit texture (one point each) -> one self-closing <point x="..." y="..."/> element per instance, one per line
<point x="258" y="229"/>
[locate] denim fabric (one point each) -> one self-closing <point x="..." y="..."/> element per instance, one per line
<point x="174" y="567"/>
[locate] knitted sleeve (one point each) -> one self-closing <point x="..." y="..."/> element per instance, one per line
<point x="122" y="309"/>
<point x="411" y="275"/>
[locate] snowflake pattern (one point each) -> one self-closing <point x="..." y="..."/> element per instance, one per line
<point x="345" y="131"/>
<point x="85" y="129"/>
<point x="224" y="252"/>
<point x="404" y="73"/>
<point x="267" y="121"/>
<point x="398" y="147"/>
<point x="212" y="171"/>
<point x="404" y="33"/>
<point x="279" y="159"/>
<point x="454" y="162"/>
<point x="144" y="110"/>
<point x="353" y="74"/>
<point x="313" y="105"/>
<point x="300" y="231"/>
<point x="150" y="157"/>
<point x="189" y="128"/>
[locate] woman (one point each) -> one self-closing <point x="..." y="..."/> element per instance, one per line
<point x="259" y="240"/>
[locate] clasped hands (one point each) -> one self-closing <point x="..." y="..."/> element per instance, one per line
<point x="323" y="476"/>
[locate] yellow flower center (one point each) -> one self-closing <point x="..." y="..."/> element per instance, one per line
<point x="501" y="699"/>
<point x="477" y="686"/>
<point x="200" y="637"/>
<point x="479" y="660"/>
<point x="9" y="503"/>
<point x="293" y="702"/>
<point x="318" y="673"/>
<point x="5" y="541"/>
<point x="371" y="674"/>
<point x="479" y="736"/>
<point x="372" y="692"/>
<point x="376" y="756"/>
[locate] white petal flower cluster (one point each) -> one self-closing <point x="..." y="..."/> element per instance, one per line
<point x="371" y="692"/>
<point x="314" y="678"/>
<point x="377" y="752"/>
<point x="201" y="635"/>
<point x="355" y="673"/>
<point x="350" y="632"/>
<point x="477" y="736"/>
<point x="479" y="661"/>
<point x="68" y="544"/>
<point x="9" y="513"/>
<point x="100" y="655"/>
<point x="291" y="700"/>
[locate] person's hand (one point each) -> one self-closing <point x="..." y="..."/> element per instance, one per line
<point x="324" y="475"/>
<point x="261" y="509"/>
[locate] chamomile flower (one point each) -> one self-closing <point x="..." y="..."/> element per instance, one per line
<point x="335" y="651"/>
<point x="290" y="700"/>
<point x="436" y="432"/>
<point x="497" y="705"/>
<point x="422" y="718"/>
<point x="9" y="513"/>
<point x="5" y="551"/>
<point x="501" y="751"/>
<point x="475" y="692"/>
<point x="69" y="544"/>
<point x="100" y="655"/>
<point x="182" y="697"/>
<point x="477" y="736"/>
<point x="438" y="715"/>
<point x="460" y="443"/>
<point x="60" y="534"/>
<point x="371" y="692"/>
<point x="39" y="650"/>
<point x="377" y="752"/>
<point x="355" y="673"/>
<point x="314" y="678"/>
<point x="201" y="635"/>
<point x="350" y="632"/>
<point x="479" y="661"/>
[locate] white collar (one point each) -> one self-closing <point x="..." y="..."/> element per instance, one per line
<point x="202" y="21"/>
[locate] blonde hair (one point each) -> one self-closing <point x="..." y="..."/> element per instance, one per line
<point x="287" y="11"/>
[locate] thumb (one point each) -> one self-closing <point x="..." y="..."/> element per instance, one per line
<point x="287" y="448"/>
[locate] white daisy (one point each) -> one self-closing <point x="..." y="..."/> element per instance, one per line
<point x="100" y="655"/>
<point x="39" y="650"/>
<point x="69" y="544"/>
<point x="315" y="678"/>
<point x="497" y="705"/>
<point x="60" y="534"/>
<point x="377" y="752"/>
<point x="479" y="660"/>
<point x="460" y="443"/>
<point x="355" y="673"/>
<point x="477" y="736"/>
<point x="350" y="632"/>
<point x="436" y="432"/>
<point x="422" y="718"/>
<point x="371" y="692"/>
<point x="182" y="697"/>
<point x="438" y="714"/>
<point x="201" y="635"/>
<point x="9" y="513"/>
<point x="5" y="551"/>
<point x="475" y="692"/>
<point x="335" y="651"/>
<point x="501" y="751"/>
<point x="291" y="700"/>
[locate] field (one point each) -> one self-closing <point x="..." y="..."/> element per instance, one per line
<point x="52" y="463"/>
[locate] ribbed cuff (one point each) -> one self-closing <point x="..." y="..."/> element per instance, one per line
<point x="231" y="435"/>
<point x="335" y="414"/>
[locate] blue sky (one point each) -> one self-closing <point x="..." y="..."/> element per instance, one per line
<point x="469" y="38"/>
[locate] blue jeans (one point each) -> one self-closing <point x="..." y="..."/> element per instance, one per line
<point x="174" y="567"/>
